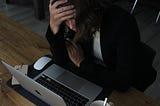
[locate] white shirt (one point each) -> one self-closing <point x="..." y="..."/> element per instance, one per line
<point x="97" y="48"/>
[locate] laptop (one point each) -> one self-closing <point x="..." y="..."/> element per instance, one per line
<point x="58" y="87"/>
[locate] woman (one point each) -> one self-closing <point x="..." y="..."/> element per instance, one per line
<point x="102" y="41"/>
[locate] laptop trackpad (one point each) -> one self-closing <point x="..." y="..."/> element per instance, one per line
<point x="71" y="80"/>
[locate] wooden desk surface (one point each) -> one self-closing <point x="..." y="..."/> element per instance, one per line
<point x="19" y="45"/>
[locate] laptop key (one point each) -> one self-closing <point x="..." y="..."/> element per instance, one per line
<point x="71" y="97"/>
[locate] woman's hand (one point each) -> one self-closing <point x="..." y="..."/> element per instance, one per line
<point x="59" y="14"/>
<point x="75" y="52"/>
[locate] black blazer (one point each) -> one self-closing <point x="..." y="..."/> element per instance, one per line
<point x="126" y="65"/>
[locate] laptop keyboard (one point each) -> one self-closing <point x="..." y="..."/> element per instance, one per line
<point x="70" y="97"/>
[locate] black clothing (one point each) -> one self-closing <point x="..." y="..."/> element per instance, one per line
<point x="127" y="63"/>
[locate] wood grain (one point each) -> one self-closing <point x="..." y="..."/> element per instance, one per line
<point x="18" y="45"/>
<point x="132" y="97"/>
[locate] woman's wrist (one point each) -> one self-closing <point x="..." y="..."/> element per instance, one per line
<point x="54" y="28"/>
<point x="79" y="62"/>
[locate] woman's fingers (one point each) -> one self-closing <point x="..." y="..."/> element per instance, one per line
<point x="75" y="53"/>
<point x="70" y="45"/>
<point x="66" y="16"/>
<point x="70" y="49"/>
<point x="57" y="3"/>
<point x="65" y="13"/>
<point x="60" y="14"/>
<point x="63" y="9"/>
<point x="73" y="43"/>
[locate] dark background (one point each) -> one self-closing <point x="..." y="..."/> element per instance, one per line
<point x="145" y="14"/>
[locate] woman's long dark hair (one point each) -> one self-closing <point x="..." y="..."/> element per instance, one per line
<point x="88" y="17"/>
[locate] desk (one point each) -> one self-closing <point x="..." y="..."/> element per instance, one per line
<point x="20" y="45"/>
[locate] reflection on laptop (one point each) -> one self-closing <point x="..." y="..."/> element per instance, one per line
<point x="58" y="87"/>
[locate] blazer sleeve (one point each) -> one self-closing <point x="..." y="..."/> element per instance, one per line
<point x="119" y="77"/>
<point x="57" y="45"/>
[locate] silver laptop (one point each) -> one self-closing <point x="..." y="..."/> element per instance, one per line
<point x="58" y="87"/>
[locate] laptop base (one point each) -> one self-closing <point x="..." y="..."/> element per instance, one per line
<point x="19" y="89"/>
